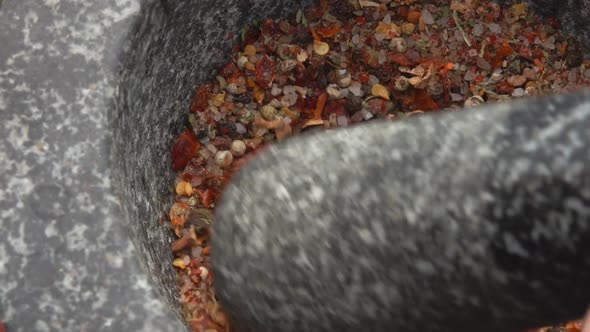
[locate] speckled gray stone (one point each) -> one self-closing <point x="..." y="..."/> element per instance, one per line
<point x="476" y="220"/>
<point x="66" y="261"/>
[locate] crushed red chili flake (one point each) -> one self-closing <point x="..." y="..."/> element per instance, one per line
<point x="339" y="63"/>
<point x="184" y="149"/>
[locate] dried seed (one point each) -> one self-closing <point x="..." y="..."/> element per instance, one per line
<point x="473" y="101"/>
<point x="242" y="62"/>
<point x="250" y="66"/>
<point x="268" y="112"/>
<point x="302" y="56"/>
<point x="179" y="263"/>
<point x="401" y="83"/>
<point x="219" y="99"/>
<point x="286" y="66"/>
<point x="178" y="214"/>
<point x="333" y="91"/>
<point x="408" y="28"/>
<point x="184" y="188"/>
<point x="238" y="148"/>
<point x="344" y="79"/>
<point x="221" y="81"/>
<point x="398" y="44"/>
<point x="223" y="158"/>
<point x="321" y="48"/>
<point x="379" y="90"/>
<point x="236" y="89"/>
<point x="258" y="94"/>
<point x="497" y="76"/>
<point x="250" y="50"/>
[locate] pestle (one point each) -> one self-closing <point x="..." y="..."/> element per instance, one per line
<point x="474" y="220"/>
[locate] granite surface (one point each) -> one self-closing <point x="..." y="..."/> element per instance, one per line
<point x="66" y="261"/>
<point x="476" y="220"/>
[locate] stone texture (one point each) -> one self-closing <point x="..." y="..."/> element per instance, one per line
<point x="66" y="261"/>
<point x="475" y="220"/>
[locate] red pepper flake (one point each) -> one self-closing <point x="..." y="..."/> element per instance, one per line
<point x="414" y="16"/>
<point x="539" y="64"/>
<point x="199" y="103"/>
<point x="502" y="52"/>
<point x="401" y="59"/>
<point x="265" y="71"/>
<point x="230" y="35"/>
<point x="446" y="67"/>
<point x="504" y="88"/>
<point x="423" y="101"/>
<point x="207" y="197"/>
<point x="364" y="78"/>
<point x="228" y="69"/>
<point x="403" y="12"/>
<point x="329" y="31"/>
<point x="184" y="149"/>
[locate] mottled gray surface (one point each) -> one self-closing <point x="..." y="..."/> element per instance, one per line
<point x="475" y="220"/>
<point x="66" y="262"/>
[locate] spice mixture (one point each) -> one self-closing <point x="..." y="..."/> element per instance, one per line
<point x="340" y="63"/>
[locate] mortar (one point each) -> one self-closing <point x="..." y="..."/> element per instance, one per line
<point x="175" y="45"/>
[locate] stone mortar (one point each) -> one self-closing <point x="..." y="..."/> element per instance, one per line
<point x="175" y="45"/>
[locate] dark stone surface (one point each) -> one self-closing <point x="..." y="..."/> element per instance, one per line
<point x="476" y="220"/>
<point x="66" y="261"/>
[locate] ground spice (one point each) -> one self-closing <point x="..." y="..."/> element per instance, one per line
<point x="339" y="63"/>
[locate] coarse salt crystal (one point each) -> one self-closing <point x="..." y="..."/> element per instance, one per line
<point x="387" y="19"/>
<point x="373" y="80"/>
<point x="240" y="128"/>
<point x="275" y="91"/>
<point x="469" y="76"/>
<point x="477" y="29"/>
<point x="356" y="89"/>
<point x="494" y="28"/>
<point x="427" y="17"/>
<point x="519" y="92"/>
<point x="549" y="43"/>
<point x="196" y="252"/>
<point x="342" y="121"/>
